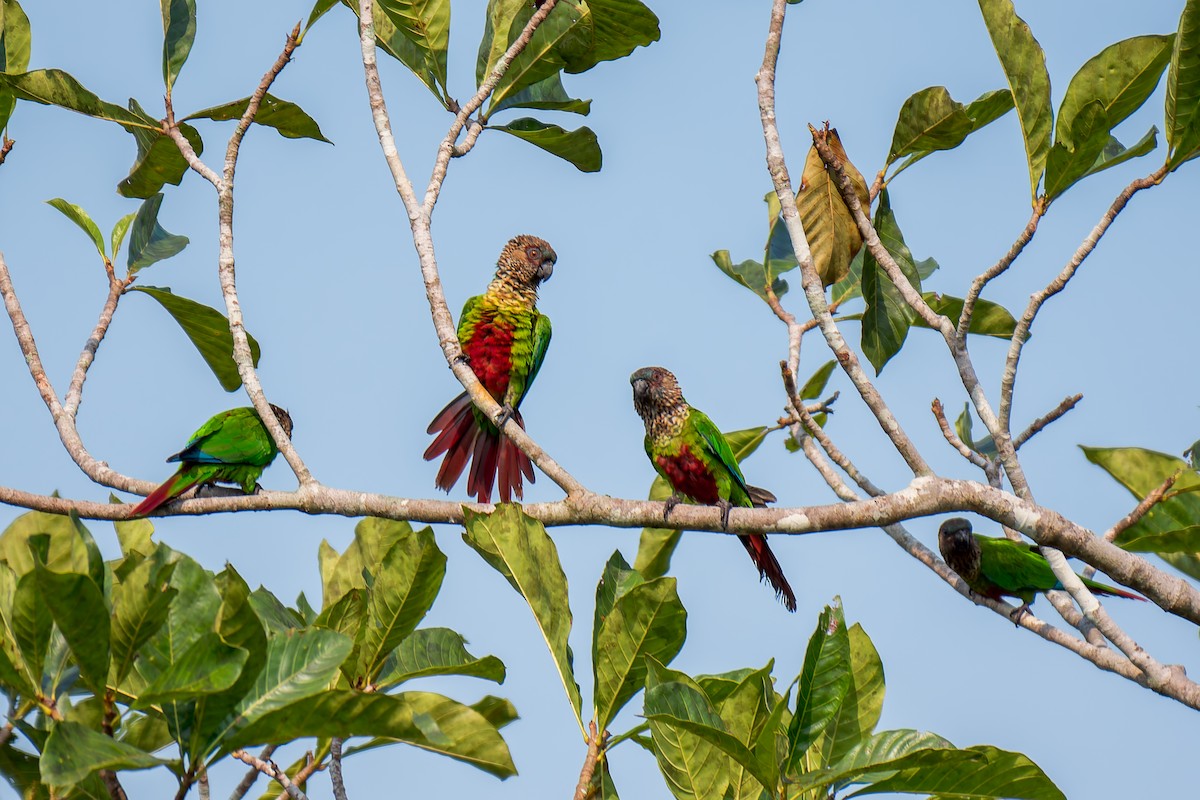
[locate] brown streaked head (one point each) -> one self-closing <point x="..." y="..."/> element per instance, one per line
<point x="285" y="419"/>
<point x="654" y="389"/>
<point x="526" y="260"/>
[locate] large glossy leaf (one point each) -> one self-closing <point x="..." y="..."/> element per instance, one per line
<point x="79" y="610"/>
<point x="31" y="624"/>
<point x="158" y="162"/>
<point x="545" y="95"/>
<point x="179" y="32"/>
<point x="208" y="666"/>
<point x="988" y="319"/>
<point x="1068" y="163"/>
<point x="53" y="87"/>
<point x="274" y="615"/>
<point x="751" y="715"/>
<point x="436" y="651"/>
<point x="14" y="51"/>
<point x="990" y="772"/>
<point x="186" y="622"/>
<point x="619" y="27"/>
<point x="1183" y="89"/>
<point x="15" y="672"/>
<point x="74" y="750"/>
<point x="658" y="544"/>
<point x="517" y="547"/>
<point x="859" y="712"/>
<point x="964" y="427"/>
<point x="141" y="601"/>
<point x="566" y="33"/>
<point x="405" y="584"/>
<point x="871" y="757"/>
<point x="694" y="767"/>
<point x="833" y="236"/>
<point x="616" y="579"/>
<point x="578" y="146"/>
<point x="647" y="620"/>
<point x="1024" y="66"/>
<point x="824" y="682"/>
<point x="81" y="218"/>
<point x="68" y="552"/>
<point x="1172" y="525"/>
<point x="429" y="721"/>
<point x="1120" y="77"/>
<point x="373" y="537"/>
<point x="426" y="23"/>
<point x="1115" y="153"/>
<point x="209" y="331"/>
<point x="929" y="114"/>
<point x="286" y="117"/>
<point x="751" y="274"/>
<point x="887" y="317"/>
<point x="149" y="242"/>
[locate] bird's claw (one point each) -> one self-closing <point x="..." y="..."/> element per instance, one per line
<point x="1019" y="613"/>
<point x="725" y="507"/>
<point x="672" y="501"/>
<point x="461" y="358"/>
<point x="506" y="413"/>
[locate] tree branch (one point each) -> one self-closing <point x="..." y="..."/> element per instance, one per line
<point x="595" y="750"/>
<point x="335" y="768"/>
<point x="75" y="391"/>
<point x="1041" y="422"/>
<point x="251" y="775"/>
<point x="271" y="770"/>
<point x="958" y="444"/>
<point x="997" y="269"/>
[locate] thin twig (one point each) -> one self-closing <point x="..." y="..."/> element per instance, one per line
<point x="814" y="292"/>
<point x="474" y="128"/>
<point x="595" y="751"/>
<point x="335" y="768"/>
<point x="997" y="269"/>
<point x="1041" y="422"/>
<point x="113" y="785"/>
<point x="251" y="775"/>
<point x="311" y="766"/>
<point x="1021" y="334"/>
<point x="75" y="391"/>
<point x="952" y="437"/>
<point x="818" y="433"/>
<point x="1155" y="497"/>
<point x="6" y="147"/>
<point x="203" y="784"/>
<point x="271" y="770"/>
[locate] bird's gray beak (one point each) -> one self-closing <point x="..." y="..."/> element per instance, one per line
<point x="640" y="389"/>
<point x="545" y="270"/>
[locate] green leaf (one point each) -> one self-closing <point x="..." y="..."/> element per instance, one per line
<point x="298" y="665"/>
<point x="74" y="751"/>
<point x="149" y="242"/>
<point x="420" y="59"/>
<point x="752" y="717"/>
<point x="274" y="615"/>
<point x="346" y="615"/>
<point x="1120" y="77"/>
<point x="870" y="758"/>
<point x="545" y="95"/>
<point x="618" y="28"/>
<point x="647" y="620"/>
<point x="53" y="87"/>
<point x="887" y="317"/>
<point x="428" y="721"/>
<point x="118" y="233"/>
<point x="79" y="610"/>
<point x="929" y="120"/>
<point x="824" y="682"/>
<point x="14" y="51"/>
<point x="1171" y="524"/>
<point x="750" y="274"/>
<point x="988" y="319"/>
<point x="158" y="161"/>
<point x="990" y="772"/>
<point x="578" y="146"/>
<point x="565" y="34"/>
<point x="1115" y="153"/>
<point x="405" y="584"/>
<point x="1024" y="66"/>
<point x="209" y="331"/>
<point x="1067" y="163"/>
<point x="850" y="286"/>
<point x="815" y="385"/>
<point x="963" y="427"/>
<point x="141" y="600"/>
<point x="426" y="24"/>
<point x="319" y="9"/>
<point x="1183" y="89"/>
<point x="617" y="579"/>
<point x="286" y="117"/>
<point x="517" y="547"/>
<point x="208" y="666"/>
<point x="658" y="544"/>
<point x="68" y="550"/>
<point x="859" y="712"/>
<point x="496" y="710"/>
<point x="694" y="767"/>
<point x="30" y="623"/>
<point x="179" y="31"/>
<point x="436" y="651"/>
<point x="81" y="218"/>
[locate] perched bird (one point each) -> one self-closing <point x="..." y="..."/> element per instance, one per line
<point x="996" y="567"/>
<point x="232" y="447"/>
<point x="504" y="339"/>
<point x="692" y="455"/>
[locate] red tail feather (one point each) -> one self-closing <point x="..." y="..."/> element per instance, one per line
<point x="167" y="491"/>
<point x="768" y="568"/>
<point x="491" y="454"/>
<point x="1112" y="590"/>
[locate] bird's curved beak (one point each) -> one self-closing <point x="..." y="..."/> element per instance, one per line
<point x="641" y="388"/>
<point x="545" y="270"/>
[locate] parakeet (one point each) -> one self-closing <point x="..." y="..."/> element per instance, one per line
<point x="504" y="339"/>
<point x="692" y="455"/>
<point x="232" y="447"/>
<point x="997" y="567"/>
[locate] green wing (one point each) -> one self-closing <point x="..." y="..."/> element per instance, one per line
<point x="541" y="343"/>
<point x="1014" y="566"/>
<point x="718" y="446"/>
<point x="467" y="319"/>
<point x="236" y="436"/>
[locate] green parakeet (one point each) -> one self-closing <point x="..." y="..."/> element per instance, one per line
<point x="504" y="339"/>
<point x="232" y="447"/>
<point x="692" y="455"/>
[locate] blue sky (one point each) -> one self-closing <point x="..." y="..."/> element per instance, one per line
<point x="330" y="286"/>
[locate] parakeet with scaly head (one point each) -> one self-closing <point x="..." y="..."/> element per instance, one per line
<point x="997" y="567"/>
<point x="504" y="339"/>
<point x="694" y="458"/>
<point x="232" y="447"/>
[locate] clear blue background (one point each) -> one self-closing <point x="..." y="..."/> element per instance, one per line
<point x="330" y="286"/>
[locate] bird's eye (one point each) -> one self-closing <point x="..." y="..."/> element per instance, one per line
<point x="534" y="253"/>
